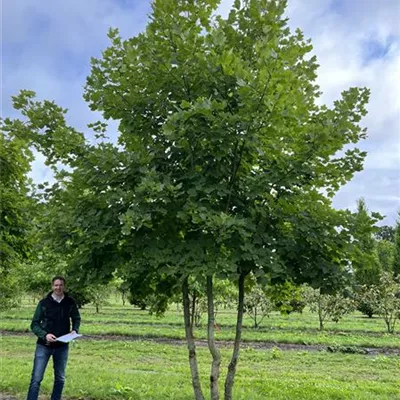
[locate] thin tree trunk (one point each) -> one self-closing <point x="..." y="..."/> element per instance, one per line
<point x="321" y="322"/>
<point x="198" y="394"/>
<point x="320" y="316"/>
<point x="230" y="377"/>
<point x="214" y="376"/>
<point x="193" y="312"/>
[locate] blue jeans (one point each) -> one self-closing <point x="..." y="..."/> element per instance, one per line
<point x="42" y="355"/>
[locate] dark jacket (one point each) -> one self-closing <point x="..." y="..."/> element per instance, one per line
<point x="53" y="317"/>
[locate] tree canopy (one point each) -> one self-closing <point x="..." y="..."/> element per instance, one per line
<point x="224" y="153"/>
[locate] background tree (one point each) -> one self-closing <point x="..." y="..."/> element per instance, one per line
<point x="365" y="300"/>
<point x="396" y="260"/>
<point x="386" y="251"/>
<point x="386" y="295"/>
<point x="328" y="306"/>
<point x="287" y="297"/>
<point x="385" y="232"/>
<point x="365" y="263"/>
<point x="99" y="296"/>
<point x="257" y="305"/>
<point x="36" y="279"/>
<point x="15" y="205"/>
<point x="122" y="288"/>
<point x="372" y="256"/>
<point x="225" y="295"/>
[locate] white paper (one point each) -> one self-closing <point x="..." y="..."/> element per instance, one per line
<point x="68" y="337"/>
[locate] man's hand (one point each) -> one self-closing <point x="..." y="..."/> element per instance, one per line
<point x="73" y="331"/>
<point x="50" y="338"/>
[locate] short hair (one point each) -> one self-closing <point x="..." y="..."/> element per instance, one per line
<point x="59" y="278"/>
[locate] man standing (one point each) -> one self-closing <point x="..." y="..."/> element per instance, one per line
<point x="52" y="319"/>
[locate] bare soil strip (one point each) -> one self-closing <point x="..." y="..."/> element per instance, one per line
<point x="259" y="345"/>
<point x="5" y="396"/>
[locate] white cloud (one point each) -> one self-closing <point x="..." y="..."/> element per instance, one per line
<point x="47" y="46"/>
<point x="342" y="33"/>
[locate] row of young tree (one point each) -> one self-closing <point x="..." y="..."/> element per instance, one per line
<point x="381" y="298"/>
<point x="225" y="168"/>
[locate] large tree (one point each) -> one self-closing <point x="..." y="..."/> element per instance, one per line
<point x="15" y="206"/>
<point x="226" y="163"/>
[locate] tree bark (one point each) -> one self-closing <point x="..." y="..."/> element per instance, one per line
<point x="198" y="394"/>
<point x="321" y="317"/>
<point x="214" y="376"/>
<point x="193" y="312"/>
<point x="230" y="377"/>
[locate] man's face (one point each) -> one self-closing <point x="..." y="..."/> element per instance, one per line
<point x="58" y="287"/>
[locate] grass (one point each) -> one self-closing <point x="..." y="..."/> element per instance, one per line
<point x="146" y="370"/>
<point x="117" y="313"/>
<point x="123" y="369"/>
<point x="353" y="330"/>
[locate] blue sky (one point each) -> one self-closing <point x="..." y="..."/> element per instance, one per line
<point x="47" y="45"/>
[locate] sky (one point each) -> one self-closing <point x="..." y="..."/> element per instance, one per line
<point x="47" y="45"/>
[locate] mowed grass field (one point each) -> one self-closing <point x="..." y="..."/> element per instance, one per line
<point x="119" y="368"/>
<point x="352" y="330"/>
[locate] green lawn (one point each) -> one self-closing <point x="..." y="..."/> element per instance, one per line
<point x="306" y="320"/>
<point x="146" y="370"/>
<point x="353" y="330"/>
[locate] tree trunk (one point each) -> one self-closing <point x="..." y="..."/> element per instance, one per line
<point x="390" y="322"/>
<point x="235" y="355"/>
<point x="198" y="394"/>
<point x="321" y="323"/>
<point x="214" y="376"/>
<point x="320" y="316"/>
<point x="193" y="312"/>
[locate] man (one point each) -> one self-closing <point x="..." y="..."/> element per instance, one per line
<point x="52" y="319"/>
